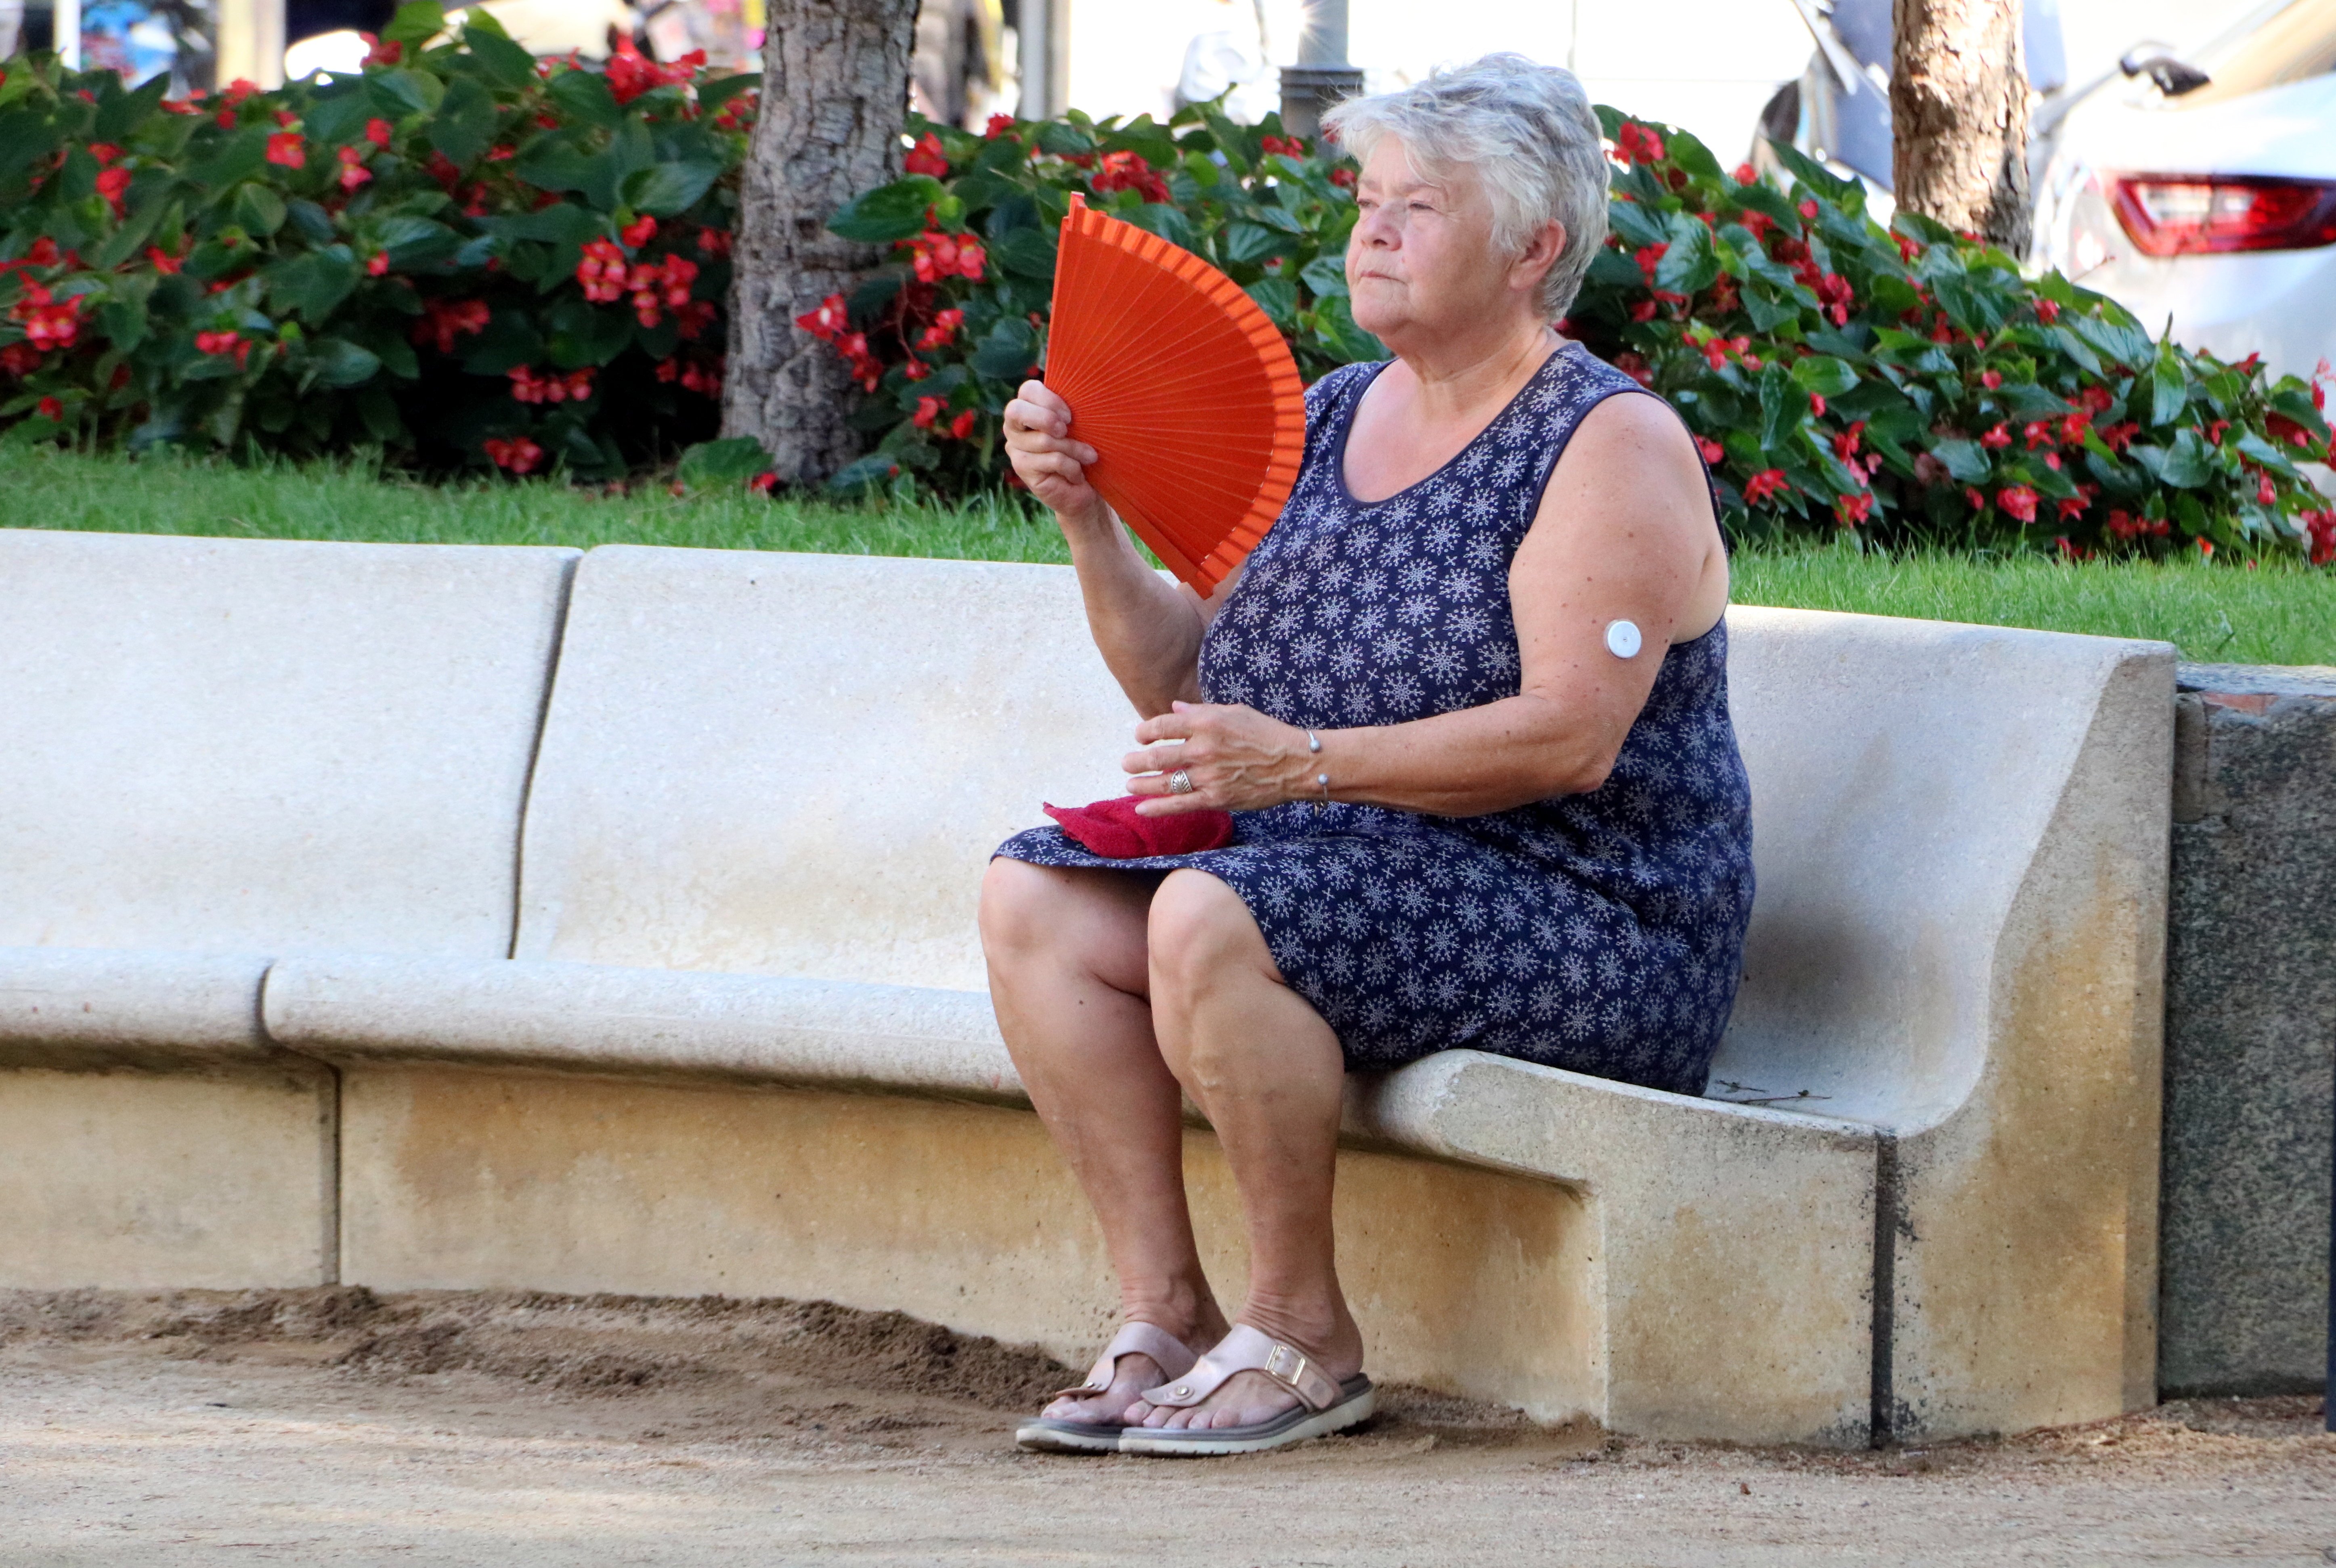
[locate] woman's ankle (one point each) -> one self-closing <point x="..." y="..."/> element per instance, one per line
<point x="1192" y="1316"/>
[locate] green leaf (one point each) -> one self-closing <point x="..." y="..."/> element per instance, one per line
<point x="716" y="465"/>
<point x="584" y="95"/>
<point x="465" y="122"/>
<point x="668" y="189"/>
<point x="398" y="93"/>
<point x="711" y="96"/>
<point x="1767" y="311"/>
<point x="1824" y="375"/>
<point x="2168" y="389"/>
<point x="1964" y="458"/>
<point x="416" y="23"/>
<point x="508" y="65"/>
<point x="1006" y="351"/>
<point x="1689" y="267"/>
<point x="2189" y="462"/>
<point x="582" y="334"/>
<point x="1027" y="251"/>
<point x="1325" y="274"/>
<point x="889" y="213"/>
<point x="313" y="283"/>
<point x="1781" y="407"/>
<point x="256" y="209"/>
<point x="1278" y="298"/>
<point x="1166" y="221"/>
<point x="1334" y="325"/>
<point x="862" y="473"/>
<point x="120" y="114"/>
<point x="337" y="362"/>
<point x="1245" y="242"/>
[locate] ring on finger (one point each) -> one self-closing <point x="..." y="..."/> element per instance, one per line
<point x="1179" y="783"/>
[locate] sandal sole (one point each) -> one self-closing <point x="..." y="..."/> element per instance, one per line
<point x="1067" y="1438"/>
<point x="1293" y="1427"/>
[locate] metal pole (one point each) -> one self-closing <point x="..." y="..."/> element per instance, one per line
<point x="1322" y="76"/>
<point x="65" y="33"/>
<point x="2328" y="1404"/>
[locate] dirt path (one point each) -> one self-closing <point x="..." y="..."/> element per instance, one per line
<point x="336" y="1428"/>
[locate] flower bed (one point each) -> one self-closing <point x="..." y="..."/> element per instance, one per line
<point x="464" y="256"/>
<point x="1902" y="382"/>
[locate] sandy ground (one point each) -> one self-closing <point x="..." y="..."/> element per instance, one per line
<point x="338" y="1427"/>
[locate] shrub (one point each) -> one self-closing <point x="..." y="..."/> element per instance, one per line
<point x="462" y="255"/>
<point x="1902" y="383"/>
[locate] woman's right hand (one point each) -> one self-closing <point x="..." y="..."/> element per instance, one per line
<point x="1038" y="443"/>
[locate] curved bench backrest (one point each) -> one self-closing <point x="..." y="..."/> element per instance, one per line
<point x="1905" y="777"/>
<point x="256" y="745"/>
<point x="798" y="764"/>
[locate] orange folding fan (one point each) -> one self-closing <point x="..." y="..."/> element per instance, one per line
<point x="1184" y="388"/>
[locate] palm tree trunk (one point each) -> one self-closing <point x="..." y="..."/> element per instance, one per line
<point x="835" y="91"/>
<point x="1958" y="98"/>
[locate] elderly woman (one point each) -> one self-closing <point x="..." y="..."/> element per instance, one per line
<point x="1467" y="702"/>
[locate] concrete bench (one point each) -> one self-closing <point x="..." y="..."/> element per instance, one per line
<point x="742" y="1044"/>
<point x="222" y="752"/>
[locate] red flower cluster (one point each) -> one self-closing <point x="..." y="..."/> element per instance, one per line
<point x="658" y="289"/>
<point x="518" y="455"/>
<point x="20" y="359"/>
<point x="380" y="53"/>
<point x="1129" y="171"/>
<point x="639" y="231"/>
<point x="1767" y="482"/>
<point x="287" y="150"/>
<point x="443" y="320"/>
<point x="47" y="323"/>
<point x="1853" y="509"/>
<point x="50" y="408"/>
<point x="1635" y="143"/>
<point x="602" y="272"/>
<point x="943" y="329"/>
<point x="2127" y="526"/>
<point x="233" y="343"/>
<point x="2320" y="528"/>
<point x="1835" y="294"/>
<point x="832" y="322"/>
<point x="1287" y="146"/>
<point x="705" y="380"/>
<point x="738" y="113"/>
<point x="999" y="125"/>
<point x="110" y="184"/>
<point x="934" y="256"/>
<point x="631" y="74"/>
<point x="928" y="413"/>
<point x="354" y="172"/>
<point x="928" y="157"/>
<point x="377" y="132"/>
<point x="714" y="242"/>
<point x="2018" y="500"/>
<point x="527" y="387"/>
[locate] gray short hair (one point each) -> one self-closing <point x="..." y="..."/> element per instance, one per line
<point x="1528" y="133"/>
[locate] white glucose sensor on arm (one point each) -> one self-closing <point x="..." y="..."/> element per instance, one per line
<point x="1622" y="639"/>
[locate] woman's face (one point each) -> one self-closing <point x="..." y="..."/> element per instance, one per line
<point x="1422" y="263"/>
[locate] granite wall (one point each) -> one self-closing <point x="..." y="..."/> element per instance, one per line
<point x="2250" y="1034"/>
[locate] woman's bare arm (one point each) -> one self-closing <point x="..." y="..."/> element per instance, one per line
<point x="1624" y="532"/>
<point x="1149" y="630"/>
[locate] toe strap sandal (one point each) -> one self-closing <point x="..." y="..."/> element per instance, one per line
<point x="1324" y="1404"/>
<point x="1056" y="1435"/>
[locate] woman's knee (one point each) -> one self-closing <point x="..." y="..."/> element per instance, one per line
<point x="1199" y="933"/>
<point x="1016" y="899"/>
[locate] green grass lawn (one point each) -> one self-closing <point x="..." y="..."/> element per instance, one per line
<point x="2222" y="614"/>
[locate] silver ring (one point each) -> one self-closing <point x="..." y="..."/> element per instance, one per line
<point x="1179" y="783"/>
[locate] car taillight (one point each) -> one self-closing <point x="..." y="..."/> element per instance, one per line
<point x="2179" y="215"/>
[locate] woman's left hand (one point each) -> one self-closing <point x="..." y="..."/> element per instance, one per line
<point x="1238" y="759"/>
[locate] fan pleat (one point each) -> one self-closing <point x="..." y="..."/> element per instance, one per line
<point x="1183" y="386"/>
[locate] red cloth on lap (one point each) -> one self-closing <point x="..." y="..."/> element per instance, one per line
<point x="1111" y="829"/>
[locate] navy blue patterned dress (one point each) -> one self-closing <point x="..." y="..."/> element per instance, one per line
<point x="1598" y="933"/>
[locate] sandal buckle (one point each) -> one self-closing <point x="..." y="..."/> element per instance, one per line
<point x="1285" y="1364"/>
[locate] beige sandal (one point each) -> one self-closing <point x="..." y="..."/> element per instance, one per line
<point x="1325" y="1405"/>
<point x="1054" y="1435"/>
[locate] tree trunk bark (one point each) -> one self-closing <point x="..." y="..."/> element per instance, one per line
<point x="835" y="93"/>
<point x="1959" y="100"/>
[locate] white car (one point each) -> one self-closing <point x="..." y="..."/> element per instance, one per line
<point x="2204" y="189"/>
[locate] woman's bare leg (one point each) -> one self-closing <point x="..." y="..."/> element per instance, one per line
<point x="1267" y="1071"/>
<point x="1067" y="975"/>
